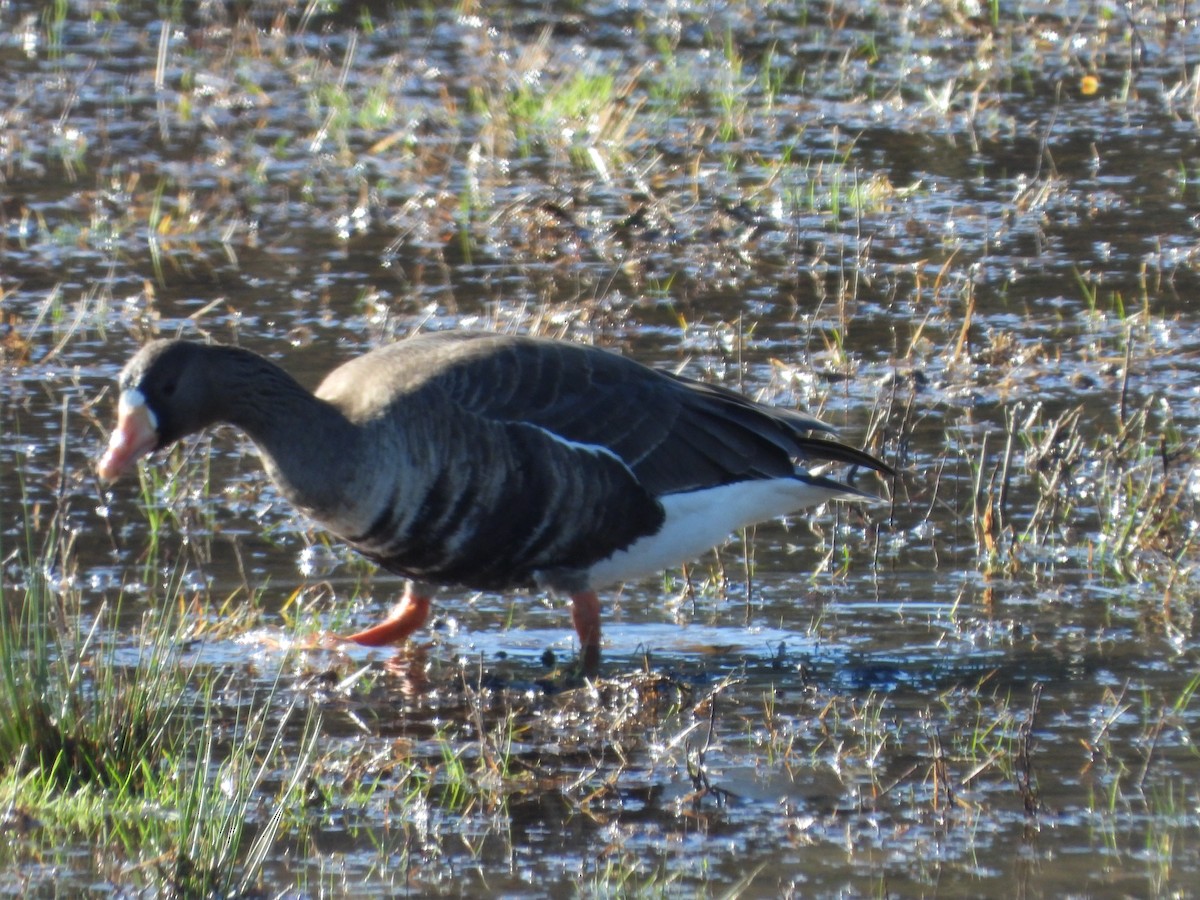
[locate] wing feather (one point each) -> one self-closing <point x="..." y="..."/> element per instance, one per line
<point x="674" y="433"/>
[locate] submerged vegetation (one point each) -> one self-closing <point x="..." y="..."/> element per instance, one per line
<point x="963" y="233"/>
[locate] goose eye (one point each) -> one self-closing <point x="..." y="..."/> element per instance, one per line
<point x="168" y="388"/>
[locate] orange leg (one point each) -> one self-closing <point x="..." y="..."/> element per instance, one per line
<point x="585" y="613"/>
<point x="409" y="615"/>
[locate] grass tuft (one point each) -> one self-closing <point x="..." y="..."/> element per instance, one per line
<point x="128" y="743"/>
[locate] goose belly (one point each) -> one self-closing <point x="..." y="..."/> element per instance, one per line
<point x="697" y="521"/>
<point x="539" y="505"/>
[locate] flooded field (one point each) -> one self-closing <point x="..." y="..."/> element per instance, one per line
<point x="964" y="234"/>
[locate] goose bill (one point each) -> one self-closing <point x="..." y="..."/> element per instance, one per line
<point x="136" y="435"/>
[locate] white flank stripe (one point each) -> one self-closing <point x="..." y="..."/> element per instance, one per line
<point x="594" y="449"/>
<point x="700" y="520"/>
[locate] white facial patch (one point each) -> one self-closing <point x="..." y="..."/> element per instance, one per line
<point x="132" y="399"/>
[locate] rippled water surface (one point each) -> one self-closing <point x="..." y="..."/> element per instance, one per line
<point x="964" y="234"/>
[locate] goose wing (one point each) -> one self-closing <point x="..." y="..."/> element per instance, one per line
<point x="675" y="434"/>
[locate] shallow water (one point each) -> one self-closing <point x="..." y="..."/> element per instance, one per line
<point x="917" y="222"/>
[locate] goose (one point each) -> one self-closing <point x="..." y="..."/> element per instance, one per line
<point x="494" y="462"/>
